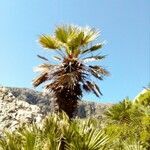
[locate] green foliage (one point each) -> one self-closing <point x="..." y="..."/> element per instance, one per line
<point x="87" y="136"/>
<point x="49" y="42"/>
<point x="57" y="132"/>
<point x="143" y="98"/>
<point x="11" y="141"/>
<point x="126" y="126"/>
<point x="73" y="39"/>
<point x="130" y="122"/>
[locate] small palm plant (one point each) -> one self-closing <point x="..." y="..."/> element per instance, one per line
<point x="120" y="112"/>
<point x="68" y="78"/>
<point x="56" y="132"/>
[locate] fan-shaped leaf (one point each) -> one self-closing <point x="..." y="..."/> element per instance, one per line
<point x="49" y="42"/>
<point x="40" y="79"/>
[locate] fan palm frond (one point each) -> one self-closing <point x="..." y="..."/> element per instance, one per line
<point x="57" y="58"/>
<point x="61" y="33"/>
<point x="93" y="48"/>
<point x="43" y="58"/>
<point x="85" y="136"/>
<point x="49" y="42"/>
<point x="90" y="34"/>
<point x="46" y="67"/>
<point x="75" y="36"/>
<point x="94" y="88"/>
<point x="40" y="79"/>
<point x="96" y="74"/>
<point x="93" y="58"/>
<point x="135" y="145"/>
<point x="100" y="70"/>
<point x="76" y="42"/>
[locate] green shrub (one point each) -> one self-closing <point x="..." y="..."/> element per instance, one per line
<point x="126" y="127"/>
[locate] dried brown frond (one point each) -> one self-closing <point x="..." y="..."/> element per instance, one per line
<point x="43" y="58"/>
<point x="93" y="58"/>
<point x="40" y="79"/>
<point x="93" y="87"/>
<point x="44" y="68"/>
<point x="100" y="70"/>
<point x="96" y="74"/>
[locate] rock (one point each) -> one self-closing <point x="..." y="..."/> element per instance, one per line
<point x="21" y="105"/>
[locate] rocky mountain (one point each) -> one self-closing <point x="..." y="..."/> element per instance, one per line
<point x="22" y="105"/>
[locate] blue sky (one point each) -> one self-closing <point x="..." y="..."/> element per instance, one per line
<point x="124" y="24"/>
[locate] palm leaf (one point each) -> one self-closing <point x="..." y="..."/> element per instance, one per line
<point x="90" y="34"/>
<point x="66" y="33"/>
<point x="135" y="145"/>
<point x="76" y="42"/>
<point x="98" y="89"/>
<point x="93" y="88"/>
<point x="68" y="80"/>
<point x="93" y="58"/>
<point x="93" y="48"/>
<point x="86" y="87"/>
<point x="57" y="58"/>
<point x="40" y="79"/>
<point x="11" y="141"/>
<point x="44" y="68"/>
<point x="95" y="74"/>
<point x="49" y="42"/>
<point x="98" y="141"/>
<point x="72" y="34"/>
<point x="87" y="137"/>
<point x="29" y="136"/>
<point x="61" y="34"/>
<point x="100" y="70"/>
<point x="43" y="58"/>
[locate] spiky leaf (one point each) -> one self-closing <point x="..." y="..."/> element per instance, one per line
<point x="93" y="48"/>
<point x="49" y="42"/>
<point x="92" y="58"/>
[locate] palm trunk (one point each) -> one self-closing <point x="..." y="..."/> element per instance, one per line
<point x="67" y="100"/>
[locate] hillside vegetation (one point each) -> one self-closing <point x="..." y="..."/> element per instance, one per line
<point x="124" y="126"/>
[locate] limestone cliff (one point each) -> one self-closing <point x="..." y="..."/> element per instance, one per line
<point x="22" y="105"/>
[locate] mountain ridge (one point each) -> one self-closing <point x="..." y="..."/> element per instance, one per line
<point x="22" y="105"/>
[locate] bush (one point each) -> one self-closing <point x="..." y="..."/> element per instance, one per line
<point x="126" y="126"/>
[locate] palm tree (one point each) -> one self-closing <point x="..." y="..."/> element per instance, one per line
<point x="71" y="75"/>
